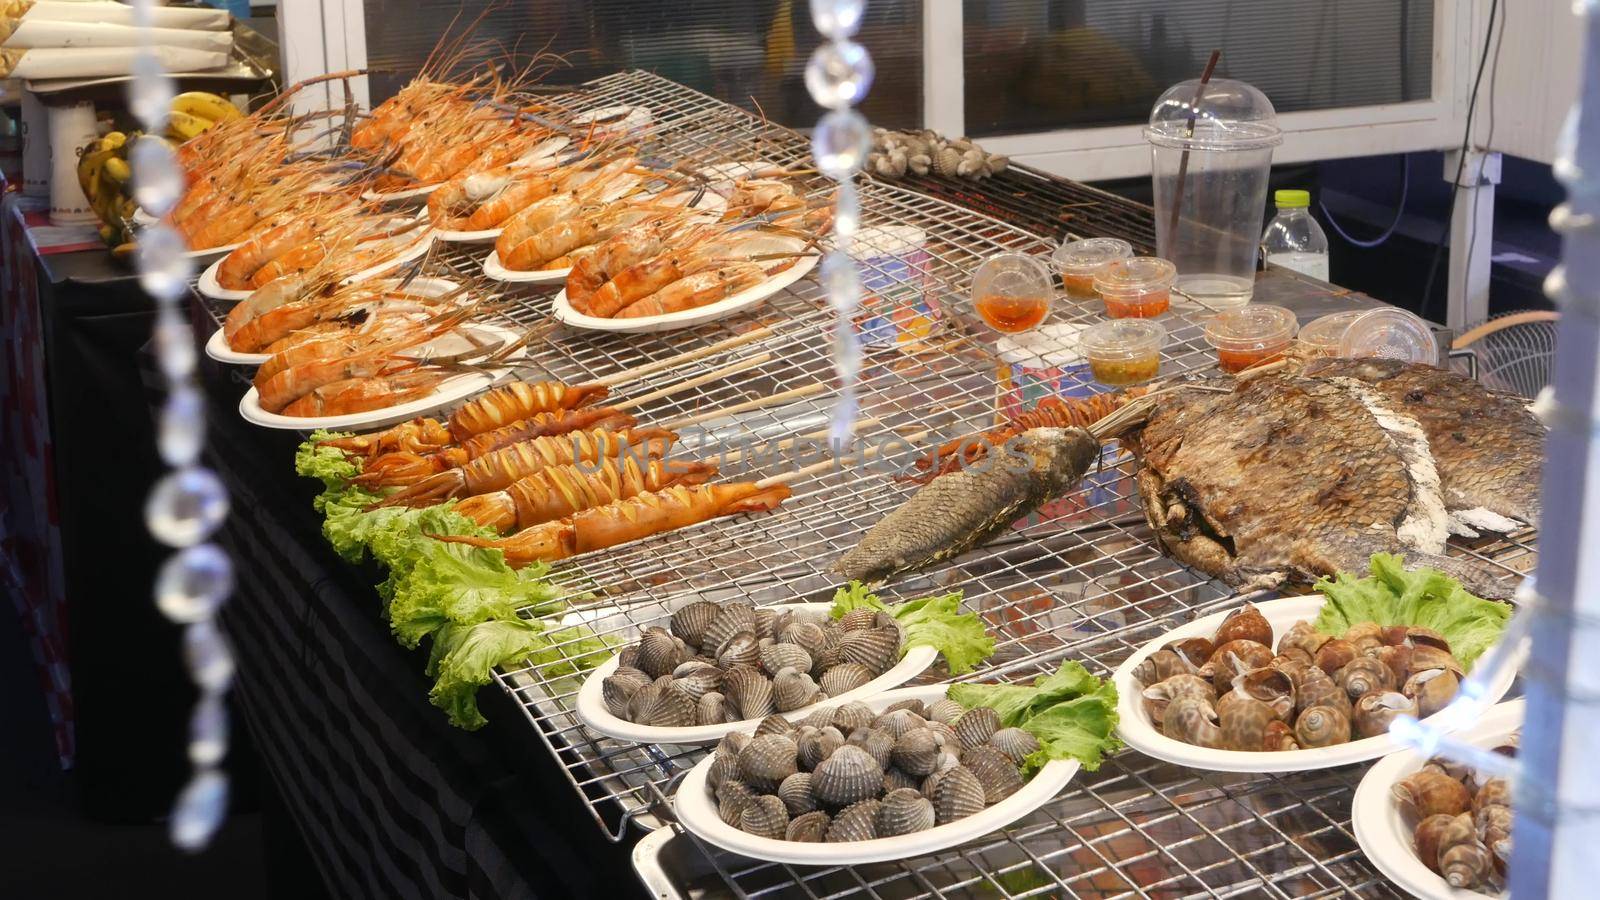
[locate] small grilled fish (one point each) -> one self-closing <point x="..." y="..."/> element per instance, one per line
<point x="966" y="508"/>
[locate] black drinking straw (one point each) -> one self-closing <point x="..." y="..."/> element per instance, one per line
<point x="1183" y="162"/>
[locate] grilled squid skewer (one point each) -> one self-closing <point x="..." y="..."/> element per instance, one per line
<point x="560" y="491"/>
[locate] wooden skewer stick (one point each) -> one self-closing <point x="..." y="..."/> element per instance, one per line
<point x="785" y="444"/>
<point x="867" y="453"/>
<point x="652" y="367"/>
<point x="746" y="406"/>
<point x="695" y="382"/>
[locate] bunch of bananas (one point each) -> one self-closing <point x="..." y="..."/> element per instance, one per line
<point x="103" y="170"/>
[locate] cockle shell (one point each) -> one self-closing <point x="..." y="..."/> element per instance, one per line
<point x="845" y="677"/>
<point x="957" y="794"/>
<point x="642" y="702"/>
<point x="858" y="619"/>
<point x="808" y="636"/>
<point x="1156" y="697"/>
<point x="1322" y="726"/>
<point x="617" y="689"/>
<point x="899" y="722"/>
<point x="1015" y="743"/>
<point x="877" y="743"/>
<point x="792" y="690"/>
<point x="700" y="681"/>
<point x="1427" y="836"/>
<point x="691" y="621"/>
<point x="1463" y="859"/>
<point x="724" y="767"/>
<point x="818" y="746"/>
<point x="739" y="650"/>
<point x="1245" y="624"/>
<point x="1374" y="711"/>
<point x="1193" y="721"/>
<point x="659" y="653"/>
<point x="776" y="724"/>
<point x="945" y="733"/>
<point x="766" y="620"/>
<point x="764" y="816"/>
<point x="734" y="618"/>
<point x="1363" y="675"/>
<point x="821" y="717"/>
<point x="796" y="794"/>
<point x="875" y="648"/>
<point x="767" y="760"/>
<point x="917" y="752"/>
<point x="946" y="160"/>
<point x="673" y="708"/>
<point x="856" y="822"/>
<point x="1271" y="686"/>
<point x="732" y="795"/>
<point x="810" y="827"/>
<point x="1426" y="793"/>
<point x="895" y="778"/>
<point x="784" y="656"/>
<point x="904" y="811"/>
<point x="1161" y="665"/>
<point x="976" y="726"/>
<point x="994" y="770"/>
<point x="1244" y="723"/>
<point x="849" y="775"/>
<point x="945" y="710"/>
<point x="628" y="657"/>
<point x="847" y="717"/>
<point x="916" y="706"/>
<point x="749" y="690"/>
<point x="733" y="743"/>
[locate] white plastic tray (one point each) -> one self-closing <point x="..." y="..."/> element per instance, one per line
<point x="592" y="705"/>
<point x="1136" y="730"/>
<point x="449" y="391"/>
<point x="1380" y="828"/>
<point x="217" y="345"/>
<point x="697" y="811"/>
<point x="721" y="309"/>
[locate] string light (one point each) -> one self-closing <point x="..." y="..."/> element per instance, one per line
<point x="189" y="503"/>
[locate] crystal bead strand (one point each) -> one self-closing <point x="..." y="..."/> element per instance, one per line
<point x="837" y="77"/>
<point x="188" y="504"/>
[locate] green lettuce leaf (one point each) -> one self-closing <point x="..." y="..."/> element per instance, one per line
<point x="461" y="585"/>
<point x="463" y="659"/>
<point x="936" y="622"/>
<point x="1071" y="712"/>
<point x="326" y="464"/>
<point x="1425" y="597"/>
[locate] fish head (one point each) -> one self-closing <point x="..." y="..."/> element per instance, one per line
<point x="1064" y="452"/>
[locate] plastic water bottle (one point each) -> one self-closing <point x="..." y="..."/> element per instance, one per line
<point x="1294" y="240"/>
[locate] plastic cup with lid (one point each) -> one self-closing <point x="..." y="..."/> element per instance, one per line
<point x="1124" y="351"/>
<point x="1078" y="262"/>
<point x="1136" y="288"/>
<point x="1211" y="152"/>
<point x="1012" y="292"/>
<point x="1321" y="337"/>
<point x="1390" y="333"/>
<point x="1250" y="335"/>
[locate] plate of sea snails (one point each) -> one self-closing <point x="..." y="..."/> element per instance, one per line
<point x="1215" y="694"/>
<point x="1435" y="827"/>
<point x="712" y="668"/>
<point x="902" y="774"/>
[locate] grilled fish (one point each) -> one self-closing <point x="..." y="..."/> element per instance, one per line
<point x="968" y="507"/>
<point x="1294" y="476"/>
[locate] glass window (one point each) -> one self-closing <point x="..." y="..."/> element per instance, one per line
<point x="1042" y="66"/>
<point x="749" y="52"/>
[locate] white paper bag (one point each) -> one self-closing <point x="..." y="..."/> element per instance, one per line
<point x="122" y="14"/>
<point x="43" y="33"/>
<point x="100" y="62"/>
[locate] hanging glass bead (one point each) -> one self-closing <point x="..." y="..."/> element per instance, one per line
<point x="199" y="810"/>
<point x="846" y="213"/>
<point x="840" y="143"/>
<point x="208" y="731"/>
<point x="175" y="349"/>
<point x="164" y="269"/>
<point x="186" y="506"/>
<point x="846" y="350"/>
<point x="840" y="280"/>
<point x="208" y="657"/>
<point x="157" y="182"/>
<point x="837" y="19"/>
<point x="193" y="582"/>
<point x="842" y="427"/>
<point x="839" y="74"/>
<point x="181" y="433"/>
<point x="150" y="93"/>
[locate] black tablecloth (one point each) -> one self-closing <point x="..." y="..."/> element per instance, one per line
<point x="392" y="801"/>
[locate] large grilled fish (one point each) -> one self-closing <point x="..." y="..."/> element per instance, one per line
<point x="1293" y="476"/>
<point x="968" y="507"/>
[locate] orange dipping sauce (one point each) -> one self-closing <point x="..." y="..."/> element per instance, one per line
<point x="1236" y="361"/>
<point x="1012" y="315"/>
<point x="1138" y="306"/>
<point x="1079" y="286"/>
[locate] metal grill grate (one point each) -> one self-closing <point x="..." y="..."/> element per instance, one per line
<point x="1081" y="580"/>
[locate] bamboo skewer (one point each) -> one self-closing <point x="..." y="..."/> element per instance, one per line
<point x="686" y="384"/>
<point x="786" y="443"/>
<point x="746" y="406"/>
<point x="866" y="453"/>
<point x="651" y="368"/>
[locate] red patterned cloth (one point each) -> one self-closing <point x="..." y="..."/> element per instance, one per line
<point x="30" y="539"/>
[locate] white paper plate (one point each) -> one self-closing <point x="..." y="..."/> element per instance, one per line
<point x="721" y="309"/>
<point x="451" y="390"/>
<point x="217" y="345"/>
<point x="1381" y="829"/>
<point x="592" y="705"/>
<point x="493" y="269"/>
<point x="1136" y="730"/>
<point x="697" y="811"/>
<point x="208" y="286"/>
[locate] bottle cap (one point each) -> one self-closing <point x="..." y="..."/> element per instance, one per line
<point x="1290" y="199"/>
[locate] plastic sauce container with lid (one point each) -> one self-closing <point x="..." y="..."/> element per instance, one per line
<point x="1123" y="351"/>
<point x="1390" y="333"/>
<point x="1012" y="292"/>
<point x="1136" y="288"/>
<point x="1250" y="335"/>
<point x="1077" y="262"/>
<point x="1321" y="337"/>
